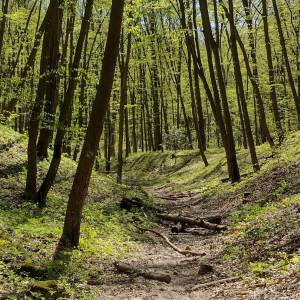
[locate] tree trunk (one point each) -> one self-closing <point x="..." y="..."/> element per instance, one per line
<point x="296" y="97"/>
<point x="240" y="88"/>
<point x="265" y="133"/>
<point x="71" y="230"/>
<point x="228" y="139"/>
<point x="124" y="65"/>
<point x="2" y="28"/>
<point x="51" y="90"/>
<point x="273" y="94"/>
<point x="45" y="69"/>
<point x="64" y="113"/>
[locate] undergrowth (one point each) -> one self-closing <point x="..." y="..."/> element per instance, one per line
<point x="29" y="235"/>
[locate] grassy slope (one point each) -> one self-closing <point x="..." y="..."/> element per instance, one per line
<point x="263" y="239"/>
<point x="29" y="235"/>
<point x="266" y="225"/>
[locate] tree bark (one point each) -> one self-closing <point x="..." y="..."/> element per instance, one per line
<point x="273" y="94"/>
<point x="71" y="230"/>
<point x="45" y="70"/>
<point x="240" y="88"/>
<point x="296" y="97"/>
<point x="67" y="105"/>
<point x="124" y="65"/>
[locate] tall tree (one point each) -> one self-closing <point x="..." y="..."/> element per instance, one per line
<point x="66" y="107"/>
<point x="292" y="84"/>
<point x="48" y="79"/>
<point x="5" y="4"/>
<point x="240" y="87"/>
<point x="71" y="230"/>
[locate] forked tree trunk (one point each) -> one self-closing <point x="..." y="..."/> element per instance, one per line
<point x="67" y="105"/>
<point x="45" y="69"/>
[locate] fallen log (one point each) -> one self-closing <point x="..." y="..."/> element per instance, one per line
<point x="215" y="282"/>
<point x="174" y="247"/>
<point x="204" y="222"/>
<point x="127" y="269"/>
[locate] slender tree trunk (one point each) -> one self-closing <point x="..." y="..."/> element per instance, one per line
<point x="16" y="61"/>
<point x="45" y="69"/>
<point x="51" y="91"/>
<point x="30" y="61"/>
<point x="134" y="121"/>
<point x="273" y="94"/>
<point x="71" y="231"/>
<point x="232" y="165"/>
<point x="124" y="65"/>
<point x="194" y="111"/>
<point x="212" y="47"/>
<point x="240" y="87"/>
<point x="254" y="76"/>
<point x="296" y="97"/>
<point x="2" y="28"/>
<point x="67" y="105"/>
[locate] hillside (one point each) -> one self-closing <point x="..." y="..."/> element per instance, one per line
<point x="261" y="244"/>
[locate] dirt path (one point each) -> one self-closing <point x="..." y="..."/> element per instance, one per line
<point x="155" y="255"/>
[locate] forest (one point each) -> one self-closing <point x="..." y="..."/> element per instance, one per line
<point x="150" y="149"/>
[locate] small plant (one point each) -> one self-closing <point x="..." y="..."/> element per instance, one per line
<point x="258" y="268"/>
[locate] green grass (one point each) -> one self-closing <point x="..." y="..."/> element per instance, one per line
<point x="29" y="235"/>
<point x="264" y="235"/>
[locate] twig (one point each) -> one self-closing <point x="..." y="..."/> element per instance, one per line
<point x="183" y="252"/>
<point x="215" y="282"/>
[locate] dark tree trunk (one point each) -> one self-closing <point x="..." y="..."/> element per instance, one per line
<point x="240" y="88"/>
<point x="228" y="138"/>
<point x="296" y="97"/>
<point x="273" y="94"/>
<point x="71" y="231"/>
<point x="124" y="66"/>
<point x="45" y="69"/>
<point x="232" y="165"/>
<point x="66" y="106"/>
<point x="2" y="28"/>
<point x="51" y="89"/>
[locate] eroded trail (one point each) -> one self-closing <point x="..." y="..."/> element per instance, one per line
<point x="156" y="255"/>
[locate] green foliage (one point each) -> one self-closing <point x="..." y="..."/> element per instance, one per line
<point x="29" y="235"/>
<point x="176" y="139"/>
